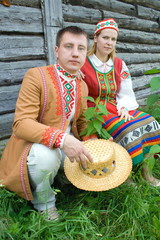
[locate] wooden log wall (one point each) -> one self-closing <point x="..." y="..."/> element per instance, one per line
<point x="27" y="37"/>
<point x="21" y="47"/>
<point x="139" y="36"/>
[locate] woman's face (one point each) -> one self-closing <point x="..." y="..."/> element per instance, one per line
<point x="106" y="42"/>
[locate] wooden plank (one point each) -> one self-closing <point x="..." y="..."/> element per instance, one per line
<point x="134" y="47"/>
<point x="81" y="14"/>
<point x="139" y="69"/>
<point x="141" y="81"/>
<point x="6" y="121"/>
<point x="20" y="19"/>
<point x="137" y="58"/>
<point x="125" y="35"/>
<point x="21" y="47"/>
<point x="146" y="3"/>
<point x="87" y="15"/>
<point x="147" y="13"/>
<point x="8" y="98"/>
<point x="53" y="21"/>
<point x="13" y="72"/>
<point x="26" y="3"/>
<point x="144" y="93"/>
<point x="115" y="6"/>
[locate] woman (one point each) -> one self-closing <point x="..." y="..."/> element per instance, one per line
<point x="108" y="77"/>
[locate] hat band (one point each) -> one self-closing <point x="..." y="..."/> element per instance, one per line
<point x="100" y="171"/>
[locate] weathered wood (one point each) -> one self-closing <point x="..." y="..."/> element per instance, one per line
<point x="21" y="47"/>
<point x="115" y="6"/>
<point x="6" y="121"/>
<point x="148" y="13"/>
<point x="141" y="82"/>
<point x="81" y="14"/>
<point x="144" y="93"/>
<point x="139" y="37"/>
<point x="26" y="3"/>
<point x="87" y="15"/>
<point x="13" y="72"/>
<point x="139" y="69"/>
<point x="20" y="19"/>
<point x="125" y="35"/>
<point x="53" y="21"/>
<point x="146" y="3"/>
<point x="139" y="58"/>
<point x="8" y="98"/>
<point x="134" y="47"/>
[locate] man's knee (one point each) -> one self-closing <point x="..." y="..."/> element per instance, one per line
<point x="44" y="158"/>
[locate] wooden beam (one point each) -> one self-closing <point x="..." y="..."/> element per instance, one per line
<point x="20" y="19"/>
<point x="53" y="21"/>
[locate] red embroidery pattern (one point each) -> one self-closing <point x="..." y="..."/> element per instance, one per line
<point x="58" y="141"/>
<point x="57" y="87"/>
<point x="108" y="87"/>
<point x="48" y="136"/>
<point x="64" y="72"/>
<point x="68" y="96"/>
<point x="78" y="98"/>
<point x="125" y="75"/>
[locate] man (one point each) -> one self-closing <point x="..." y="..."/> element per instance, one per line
<point x="49" y="107"/>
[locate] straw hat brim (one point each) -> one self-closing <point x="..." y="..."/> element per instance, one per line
<point x="123" y="167"/>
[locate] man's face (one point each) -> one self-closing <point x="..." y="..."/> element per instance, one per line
<point x="72" y="52"/>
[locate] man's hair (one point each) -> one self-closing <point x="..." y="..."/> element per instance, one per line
<point x="71" y="29"/>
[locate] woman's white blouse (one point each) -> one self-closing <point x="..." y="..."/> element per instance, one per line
<point x="125" y="97"/>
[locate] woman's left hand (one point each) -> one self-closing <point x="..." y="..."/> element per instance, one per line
<point x="123" y="113"/>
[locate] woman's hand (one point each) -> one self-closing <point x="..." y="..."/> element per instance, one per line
<point x="123" y="113"/>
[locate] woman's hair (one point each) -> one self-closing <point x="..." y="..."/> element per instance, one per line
<point x="71" y="29"/>
<point x="92" y="49"/>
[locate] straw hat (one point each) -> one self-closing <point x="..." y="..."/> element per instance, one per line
<point x="111" y="166"/>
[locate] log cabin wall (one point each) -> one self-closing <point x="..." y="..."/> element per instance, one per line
<point x="27" y="38"/>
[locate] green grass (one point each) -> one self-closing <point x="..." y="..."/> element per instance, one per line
<point x="123" y="213"/>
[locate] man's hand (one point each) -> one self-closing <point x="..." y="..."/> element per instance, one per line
<point x="123" y="113"/>
<point x="75" y="151"/>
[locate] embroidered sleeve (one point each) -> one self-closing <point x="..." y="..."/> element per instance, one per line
<point x="48" y="136"/>
<point x="60" y="140"/>
<point x="126" y="97"/>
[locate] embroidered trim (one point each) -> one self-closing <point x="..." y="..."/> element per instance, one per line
<point x="45" y="94"/>
<point x="60" y="139"/>
<point x="108" y="87"/>
<point x="21" y="170"/>
<point x="125" y="75"/>
<point x="78" y="98"/>
<point x="64" y="72"/>
<point x="48" y="136"/>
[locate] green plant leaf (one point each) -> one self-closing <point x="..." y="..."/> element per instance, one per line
<point x="150" y="162"/>
<point x="89" y="113"/>
<point x="90" y="128"/>
<point x="155" y="83"/>
<point x="100" y="118"/>
<point x="97" y="125"/>
<point x="105" y="134"/>
<point x="97" y="100"/>
<point x="156" y="112"/>
<point x="90" y="99"/>
<point x="152" y="71"/>
<point x="103" y="109"/>
<point x="154" y="149"/>
<point x="152" y="99"/>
